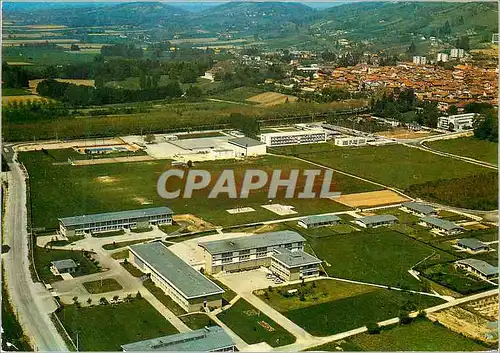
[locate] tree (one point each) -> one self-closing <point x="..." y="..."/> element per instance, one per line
<point x="103" y="301"/>
<point x="138" y="295"/>
<point x="149" y="138"/>
<point x="452" y="110"/>
<point x="270" y="288"/>
<point x="89" y="301"/>
<point x="302" y="297"/>
<point x="404" y="318"/>
<point x="451" y="127"/>
<point x="189" y="164"/>
<point x="115" y="298"/>
<point x="412" y="49"/>
<point x="75" y="299"/>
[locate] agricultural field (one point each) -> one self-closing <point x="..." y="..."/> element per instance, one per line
<point x="122" y="186"/>
<point x="14" y="92"/>
<point x="420" y="335"/>
<point x="240" y="94"/>
<point x="253" y="326"/>
<point x="33" y="84"/>
<point x="365" y="255"/>
<point x="44" y="55"/>
<point x="328" y="307"/>
<point x="472" y="147"/>
<point x="421" y="173"/>
<point x="272" y="98"/>
<point x="107" y="327"/>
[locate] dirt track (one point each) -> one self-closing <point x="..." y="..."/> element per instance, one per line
<point x="113" y="160"/>
<point x="371" y="199"/>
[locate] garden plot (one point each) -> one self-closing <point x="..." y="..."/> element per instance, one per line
<point x="371" y="199"/>
<point x="281" y="210"/>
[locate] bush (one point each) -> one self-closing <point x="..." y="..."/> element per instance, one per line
<point x="270" y="289"/>
<point x="405" y="319"/>
<point x="422" y="314"/>
<point x="302" y="297"/>
<point x="373" y="328"/>
<point x="138" y="295"/>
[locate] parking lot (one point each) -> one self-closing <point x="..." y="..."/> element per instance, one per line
<point x="247" y="281"/>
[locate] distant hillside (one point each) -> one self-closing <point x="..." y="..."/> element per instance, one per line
<point x="372" y="20"/>
<point x="256" y="15"/>
<point x="135" y="13"/>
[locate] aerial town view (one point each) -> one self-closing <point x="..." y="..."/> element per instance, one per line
<point x="220" y="176"/>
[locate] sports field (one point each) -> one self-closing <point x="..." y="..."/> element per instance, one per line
<point x="64" y="190"/>
<point x="328" y="307"/>
<point x="420" y="335"/>
<point x="472" y="147"/>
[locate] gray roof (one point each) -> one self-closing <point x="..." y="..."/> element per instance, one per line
<point x="295" y="258"/>
<point x="245" y="142"/>
<point x="419" y="207"/>
<point x="64" y="264"/>
<point x="320" y="219"/>
<point x="191" y="283"/>
<point x="202" y="340"/>
<point x="377" y="219"/>
<point x="479" y="265"/>
<point x="252" y="242"/>
<point x="440" y="223"/>
<point x="472" y="243"/>
<point x="115" y="216"/>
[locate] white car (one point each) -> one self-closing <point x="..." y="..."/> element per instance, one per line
<point x="278" y="281"/>
<point x="269" y="276"/>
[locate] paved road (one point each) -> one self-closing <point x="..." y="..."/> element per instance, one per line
<point x="32" y="301"/>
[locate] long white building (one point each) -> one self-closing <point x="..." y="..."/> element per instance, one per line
<point x="293" y="137"/>
<point x="456" y="122"/>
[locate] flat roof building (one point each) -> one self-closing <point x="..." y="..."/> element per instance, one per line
<point x="347" y="141"/>
<point x="63" y="266"/>
<point x="101" y="222"/>
<point x="248" y="252"/>
<point x="418" y="209"/>
<point x="273" y="139"/>
<point x="208" y="339"/>
<point x="442" y="225"/>
<point x="456" y="122"/>
<point x="376" y="221"/>
<point x="479" y="268"/>
<point x="318" y="221"/>
<point x="294" y="265"/>
<point x="246" y="146"/>
<point x="185" y="285"/>
<point x="472" y="245"/>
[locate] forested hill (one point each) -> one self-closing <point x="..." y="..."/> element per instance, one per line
<point x="362" y="20"/>
<point x="377" y="19"/>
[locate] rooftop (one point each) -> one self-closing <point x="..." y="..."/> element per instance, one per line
<point x="472" y="243"/>
<point x="320" y="219"/>
<point x="64" y="264"/>
<point x="114" y="216"/>
<point x="191" y="283"/>
<point x="441" y="223"/>
<point x="377" y="219"/>
<point x="479" y="265"/>
<point x="252" y="242"/>
<point x="419" y="207"/>
<point x="293" y="133"/>
<point x="202" y="340"/>
<point x="245" y="142"/>
<point x="295" y="258"/>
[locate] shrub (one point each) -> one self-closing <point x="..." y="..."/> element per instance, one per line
<point x="302" y="297"/>
<point x="405" y="319"/>
<point x="373" y="328"/>
<point x="270" y="288"/>
<point x="138" y="295"/>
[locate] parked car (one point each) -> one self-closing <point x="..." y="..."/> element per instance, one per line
<point x="278" y="281"/>
<point x="269" y="276"/>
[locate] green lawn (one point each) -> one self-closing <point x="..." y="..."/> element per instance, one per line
<point x="163" y="298"/>
<point x="381" y="256"/>
<point x="44" y="257"/>
<point x="420" y="335"/>
<point x="358" y="310"/>
<point x="134" y="271"/>
<point x="64" y="190"/>
<point x="107" y="327"/>
<point x="106" y="285"/>
<point x="472" y="147"/>
<point x="394" y="165"/>
<point x="197" y="321"/>
<point x="119" y="255"/>
<point x="253" y="326"/>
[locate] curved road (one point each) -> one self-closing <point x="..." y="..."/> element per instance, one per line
<point x="32" y="302"/>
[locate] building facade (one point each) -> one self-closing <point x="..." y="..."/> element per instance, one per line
<point x="293" y="138"/>
<point x="103" y="222"/>
<point x="247" y="147"/>
<point x="456" y="122"/>
<point x="346" y="141"/>
<point x="472" y="245"/>
<point x="478" y="268"/>
<point x="443" y="226"/>
<point x="457" y="53"/>
<point x="294" y="265"/>
<point x="186" y="286"/>
<point x="419" y="60"/>
<point x="249" y="252"/>
<point x="208" y="339"/>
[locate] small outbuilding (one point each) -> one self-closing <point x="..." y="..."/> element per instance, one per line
<point x="246" y="146"/>
<point x="318" y="221"/>
<point x="63" y="266"/>
<point x="418" y="209"/>
<point x="472" y="245"/>
<point x="376" y="221"/>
